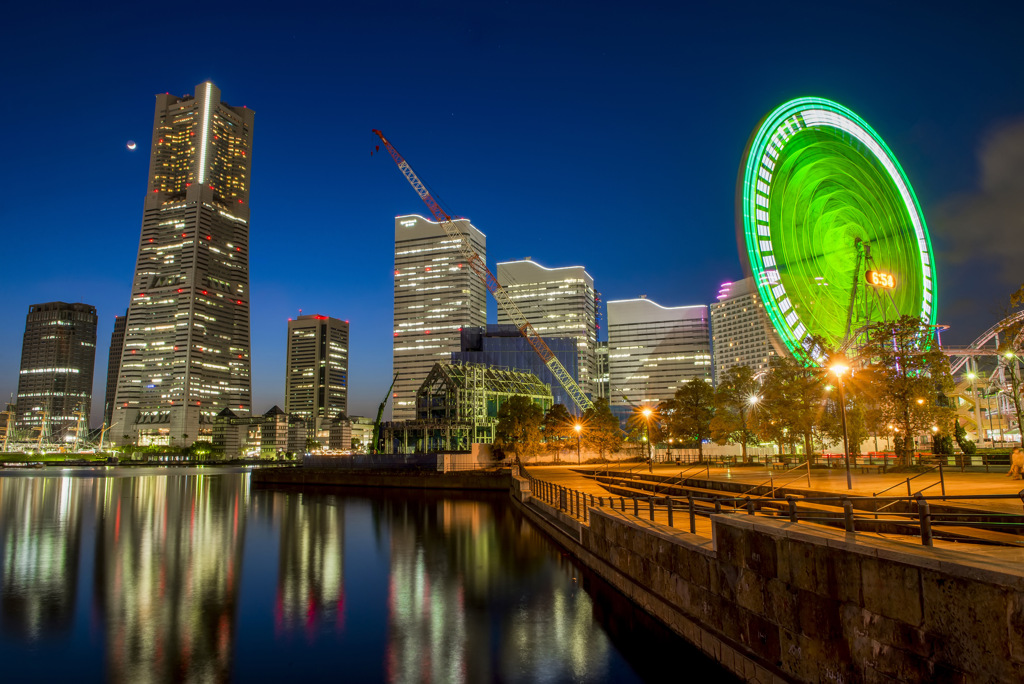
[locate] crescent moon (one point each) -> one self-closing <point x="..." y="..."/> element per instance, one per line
<point x="131" y="145"/>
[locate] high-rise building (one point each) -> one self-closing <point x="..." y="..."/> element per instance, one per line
<point x="503" y="346"/>
<point x="654" y="349"/>
<point x="741" y="334"/>
<point x="58" y="353"/>
<point x="602" y="379"/>
<point x="186" y="347"/>
<point x="436" y="295"/>
<point x="558" y="302"/>
<point x="113" y="366"/>
<point x="316" y="378"/>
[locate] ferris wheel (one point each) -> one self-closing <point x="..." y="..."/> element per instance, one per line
<point x="829" y="228"/>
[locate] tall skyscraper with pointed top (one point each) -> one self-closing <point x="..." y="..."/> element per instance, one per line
<point x="186" y="348"/>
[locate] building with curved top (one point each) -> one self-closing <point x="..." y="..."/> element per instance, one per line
<point x="654" y="349"/>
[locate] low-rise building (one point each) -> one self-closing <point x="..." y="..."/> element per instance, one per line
<point x="275" y="433"/>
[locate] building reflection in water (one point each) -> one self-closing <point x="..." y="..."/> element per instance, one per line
<point x="311" y="572"/>
<point x="40" y="536"/>
<point x="168" y="569"/>
<point x="456" y="566"/>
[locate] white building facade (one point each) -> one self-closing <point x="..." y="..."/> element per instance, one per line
<point x="654" y="349"/>
<point x="558" y="302"/>
<point x="436" y="295"/>
<point x="741" y="334"/>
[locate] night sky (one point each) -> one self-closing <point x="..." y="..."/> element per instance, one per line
<point x="601" y="134"/>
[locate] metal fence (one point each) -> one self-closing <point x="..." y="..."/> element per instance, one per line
<point x="853" y="513"/>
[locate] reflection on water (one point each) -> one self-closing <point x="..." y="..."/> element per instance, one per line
<point x="125" y="576"/>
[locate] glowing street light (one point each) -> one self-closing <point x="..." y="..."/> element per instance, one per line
<point x="579" y="429"/>
<point x="840" y="368"/>
<point x="646" y="412"/>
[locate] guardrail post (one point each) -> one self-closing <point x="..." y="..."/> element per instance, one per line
<point x="668" y="502"/>
<point x="622" y="503"/>
<point x="650" y="503"/>
<point x="750" y="506"/>
<point x="848" y="515"/>
<point x="808" y="472"/>
<point x="562" y="503"/>
<point x="791" y="502"/>
<point x="718" y="505"/>
<point x="636" y="507"/>
<point x="693" y="514"/>
<point x="600" y="501"/>
<point x="925" y="515"/>
<point x="908" y="487"/>
<point x="942" y="480"/>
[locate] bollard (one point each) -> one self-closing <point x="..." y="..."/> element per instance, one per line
<point x="848" y="514"/>
<point x="636" y="507"/>
<point x="791" y="502"/>
<point x="693" y="514"/>
<point x="622" y="503"/>
<point x="750" y="506"/>
<point x="718" y="505"/>
<point x="908" y="486"/>
<point x="650" y="502"/>
<point x="600" y="501"/>
<point x="925" y="515"/>
<point x="668" y="502"/>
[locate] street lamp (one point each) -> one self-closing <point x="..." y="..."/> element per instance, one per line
<point x="579" y="429"/>
<point x="839" y="367"/>
<point x="647" y="438"/>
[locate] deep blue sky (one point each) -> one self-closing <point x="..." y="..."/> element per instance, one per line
<point x="602" y="134"/>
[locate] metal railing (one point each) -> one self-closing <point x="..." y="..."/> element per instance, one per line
<point x="771" y="478"/>
<point x="941" y="482"/>
<point x="828" y="510"/>
<point x="682" y="476"/>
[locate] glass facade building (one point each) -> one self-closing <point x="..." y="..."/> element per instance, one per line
<point x="316" y="377"/>
<point x="503" y="346"/>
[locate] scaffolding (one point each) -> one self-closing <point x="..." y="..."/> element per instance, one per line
<point x="457" y="406"/>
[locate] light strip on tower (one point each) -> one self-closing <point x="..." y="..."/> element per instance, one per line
<point x="203" y="139"/>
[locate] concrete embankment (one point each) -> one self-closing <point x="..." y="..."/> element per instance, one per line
<point x="341" y="477"/>
<point x="776" y="601"/>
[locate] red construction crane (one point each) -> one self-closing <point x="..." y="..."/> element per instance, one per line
<point x="480" y="268"/>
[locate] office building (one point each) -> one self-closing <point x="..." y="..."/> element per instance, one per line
<point x="503" y="346"/>
<point x="58" y="353"/>
<point x="654" y="349"/>
<point x="113" y="366"/>
<point x="602" y="379"/>
<point x="558" y="302"/>
<point x="316" y="377"/>
<point x="741" y="334"/>
<point x="436" y="295"/>
<point x="186" y="348"/>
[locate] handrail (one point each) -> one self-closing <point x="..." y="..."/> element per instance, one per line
<point x="931" y="468"/>
<point x="771" y="478"/>
<point x="679" y="478"/>
<point x="575" y="504"/>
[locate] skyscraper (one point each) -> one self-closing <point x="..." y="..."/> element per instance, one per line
<point x="58" y="354"/>
<point x="186" y="348"/>
<point x="558" y="302"/>
<point x="113" y="366"/>
<point x="653" y="350"/>
<point x="741" y="334"/>
<point x="316" y="378"/>
<point x="436" y="294"/>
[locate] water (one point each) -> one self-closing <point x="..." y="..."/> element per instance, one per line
<point x="132" y="575"/>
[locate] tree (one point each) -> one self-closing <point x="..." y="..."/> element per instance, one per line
<point x="736" y="398"/>
<point x="518" y="429"/>
<point x="690" y="413"/>
<point x="557" y="428"/>
<point x="312" y="444"/>
<point x="602" y="432"/>
<point x="793" y="404"/>
<point x="907" y="377"/>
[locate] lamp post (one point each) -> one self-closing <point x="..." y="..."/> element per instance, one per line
<point x="647" y="438"/>
<point x="839" y="367"/>
<point x="579" y="429"/>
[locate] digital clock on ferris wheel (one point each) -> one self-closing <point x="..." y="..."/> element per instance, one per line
<point x="881" y="279"/>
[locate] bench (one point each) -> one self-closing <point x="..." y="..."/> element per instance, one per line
<point x="871" y="467"/>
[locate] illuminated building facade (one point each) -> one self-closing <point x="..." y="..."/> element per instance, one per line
<point x="558" y="302"/>
<point x="602" y="379"/>
<point x="654" y="349"/>
<point x="58" y="353"/>
<point x="741" y="334"/>
<point x="113" y="366"/>
<point x="186" y="348"/>
<point x="436" y="295"/>
<point x="316" y="378"/>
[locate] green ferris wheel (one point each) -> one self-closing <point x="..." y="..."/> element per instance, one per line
<point x="829" y="228"/>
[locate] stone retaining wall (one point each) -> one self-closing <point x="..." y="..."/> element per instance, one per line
<point x="364" y="478"/>
<point x="776" y="601"/>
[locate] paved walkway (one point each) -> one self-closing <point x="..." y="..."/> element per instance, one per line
<point x="822" y="480"/>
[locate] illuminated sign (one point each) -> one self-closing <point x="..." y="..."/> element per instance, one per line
<point x="880" y="279"/>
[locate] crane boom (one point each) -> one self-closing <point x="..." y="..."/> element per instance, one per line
<point x="480" y="268"/>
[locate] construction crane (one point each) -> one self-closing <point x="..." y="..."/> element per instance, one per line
<point x="480" y="268"/>
<point x="376" y="445"/>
